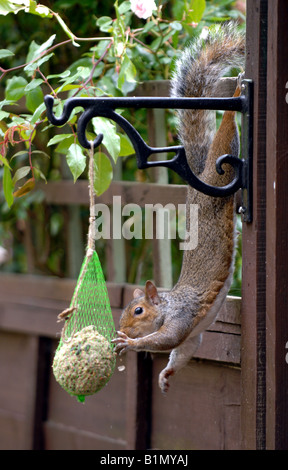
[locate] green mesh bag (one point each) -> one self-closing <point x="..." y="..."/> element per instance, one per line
<point x="85" y="359"/>
<point x="90" y="301"/>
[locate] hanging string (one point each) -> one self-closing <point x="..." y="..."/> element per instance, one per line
<point x="73" y="309"/>
<point x="91" y="231"/>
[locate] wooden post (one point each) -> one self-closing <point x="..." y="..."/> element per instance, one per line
<point x="254" y="243"/>
<point x="265" y="241"/>
<point x="139" y="399"/>
<point x="277" y="227"/>
<point x="44" y="361"/>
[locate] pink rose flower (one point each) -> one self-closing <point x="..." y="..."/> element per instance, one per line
<point x="143" y="8"/>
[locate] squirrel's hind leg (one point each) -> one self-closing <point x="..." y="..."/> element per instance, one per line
<point x="178" y="358"/>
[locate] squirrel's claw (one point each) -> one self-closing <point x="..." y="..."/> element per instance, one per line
<point x="123" y="343"/>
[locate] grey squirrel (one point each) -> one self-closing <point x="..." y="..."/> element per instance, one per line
<point x="174" y="320"/>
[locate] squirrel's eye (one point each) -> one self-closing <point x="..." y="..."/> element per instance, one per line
<point x="138" y="310"/>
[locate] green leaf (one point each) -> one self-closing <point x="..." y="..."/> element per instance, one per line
<point x="64" y="74"/>
<point x="34" y="152"/>
<point x="58" y="138"/>
<point x="76" y="160"/>
<point x="124" y="7"/>
<point x="105" y="24"/>
<point x="100" y="48"/>
<point x="196" y="10"/>
<point x="156" y="43"/>
<point x="34" y="84"/>
<point x="36" y="54"/>
<point x="64" y="145"/>
<point x="19" y="154"/>
<point x="35" y="50"/>
<point x="37" y="113"/>
<point x="32" y="51"/>
<point x="7" y="6"/>
<point x="15" y="88"/>
<point x="4" y="115"/>
<point x="111" y="139"/>
<point x="5" y="53"/>
<point x="8" y="186"/>
<point x="6" y="103"/>
<point x="39" y="10"/>
<point x="126" y="148"/>
<point x="149" y="26"/>
<point x="178" y="9"/>
<point x="4" y="160"/>
<point x="176" y="25"/>
<point x="30" y="68"/>
<point x="103" y="173"/>
<point x="26" y="188"/>
<point x="34" y="98"/>
<point x="3" y="127"/>
<point x="40" y="152"/>
<point x="21" y="173"/>
<point x="39" y="174"/>
<point x="81" y="73"/>
<point x="127" y="73"/>
<point x="67" y="88"/>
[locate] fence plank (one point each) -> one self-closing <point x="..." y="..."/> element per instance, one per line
<point x="18" y="367"/>
<point x="253" y="248"/>
<point x="201" y="411"/>
<point x="62" y="437"/>
<point x="121" y="415"/>
<point x="14" y="286"/>
<point x="67" y="192"/>
<point x="38" y="301"/>
<point x="277" y="227"/>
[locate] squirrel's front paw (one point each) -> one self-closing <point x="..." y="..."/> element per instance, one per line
<point x="164" y="379"/>
<point x="123" y="343"/>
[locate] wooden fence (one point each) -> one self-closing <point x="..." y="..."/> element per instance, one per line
<point x="202" y="408"/>
<point x="35" y="413"/>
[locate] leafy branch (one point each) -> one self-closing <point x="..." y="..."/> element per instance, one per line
<point x="123" y="52"/>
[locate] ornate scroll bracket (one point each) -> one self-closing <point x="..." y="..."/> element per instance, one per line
<point x="106" y="106"/>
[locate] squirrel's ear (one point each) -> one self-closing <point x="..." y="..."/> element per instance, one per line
<point x="151" y="293"/>
<point x="137" y="293"/>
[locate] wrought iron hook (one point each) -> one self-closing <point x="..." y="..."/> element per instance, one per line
<point x="84" y="119"/>
<point x="106" y="106"/>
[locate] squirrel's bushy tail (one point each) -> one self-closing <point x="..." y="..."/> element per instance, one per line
<point x="196" y="74"/>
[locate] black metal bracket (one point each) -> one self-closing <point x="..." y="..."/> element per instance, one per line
<point x="106" y="106"/>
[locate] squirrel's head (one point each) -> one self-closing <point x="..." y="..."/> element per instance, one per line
<point x="141" y="316"/>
